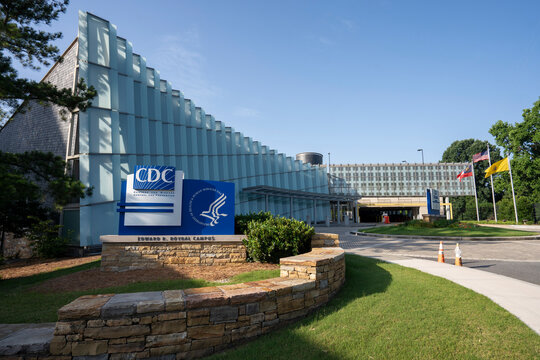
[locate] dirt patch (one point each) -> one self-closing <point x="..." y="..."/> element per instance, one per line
<point x="28" y="267"/>
<point x="96" y="279"/>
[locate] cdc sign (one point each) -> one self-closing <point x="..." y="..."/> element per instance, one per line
<point x="156" y="200"/>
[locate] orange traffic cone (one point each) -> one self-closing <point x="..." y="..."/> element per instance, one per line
<point x="458" y="256"/>
<point x="441" y="253"/>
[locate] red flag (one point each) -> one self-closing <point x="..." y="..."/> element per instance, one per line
<point x="465" y="173"/>
<point x="480" y="156"/>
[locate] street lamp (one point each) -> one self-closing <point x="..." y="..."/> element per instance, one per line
<point x="423" y="167"/>
<point x="422" y="150"/>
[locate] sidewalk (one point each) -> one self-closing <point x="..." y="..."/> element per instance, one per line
<point x="520" y="298"/>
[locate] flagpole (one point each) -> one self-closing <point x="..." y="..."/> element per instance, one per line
<point x="513" y="195"/>
<point x="492" y="191"/>
<point x="475" y="197"/>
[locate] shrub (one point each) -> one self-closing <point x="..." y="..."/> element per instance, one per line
<point x="441" y="223"/>
<point x="45" y="241"/>
<point x="241" y="221"/>
<point x="277" y="237"/>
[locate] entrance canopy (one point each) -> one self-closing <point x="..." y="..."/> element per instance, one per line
<point x="298" y="194"/>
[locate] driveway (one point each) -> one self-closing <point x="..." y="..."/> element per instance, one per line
<point x="518" y="259"/>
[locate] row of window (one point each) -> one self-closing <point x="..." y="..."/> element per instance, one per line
<point x="396" y="168"/>
<point x="399" y="176"/>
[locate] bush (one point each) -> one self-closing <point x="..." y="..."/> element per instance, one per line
<point x="277" y="237"/>
<point x="241" y="221"/>
<point x="441" y="223"/>
<point x="45" y="241"/>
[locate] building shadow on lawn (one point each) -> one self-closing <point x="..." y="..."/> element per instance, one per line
<point x="12" y="283"/>
<point x="364" y="277"/>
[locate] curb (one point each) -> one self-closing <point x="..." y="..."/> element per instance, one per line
<point x="456" y="238"/>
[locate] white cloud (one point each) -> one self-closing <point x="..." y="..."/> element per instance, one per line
<point x="180" y="61"/>
<point x="326" y="41"/>
<point x="349" y="24"/>
<point x="245" y="112"/>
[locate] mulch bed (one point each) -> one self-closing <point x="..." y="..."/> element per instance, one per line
<point x="96" y="279"/>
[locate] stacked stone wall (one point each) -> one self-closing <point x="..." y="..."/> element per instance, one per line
<point x="130" y="256"/>
<point x="191" y="323"/>
<point x="324" y="240"/>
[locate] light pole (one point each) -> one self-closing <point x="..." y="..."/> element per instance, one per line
<point x="422" y="150"/>
<point x="423" y="167"/>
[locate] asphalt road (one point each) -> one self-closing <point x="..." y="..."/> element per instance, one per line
<point x="518" y="259"/>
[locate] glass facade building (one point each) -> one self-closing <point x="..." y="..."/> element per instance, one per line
<point x="138" y="118"/>
<point x="404" y="179"/>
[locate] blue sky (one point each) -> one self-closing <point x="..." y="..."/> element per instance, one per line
<point x="367" y="81"/>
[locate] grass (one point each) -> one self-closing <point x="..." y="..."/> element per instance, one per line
<point x="385" y="311"/>
<point x="22" y="305"/>
<point x="480" y="231"/>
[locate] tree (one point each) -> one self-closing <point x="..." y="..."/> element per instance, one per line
<point x="462" y="151"/>
<point x="35" y="187"/>
<point x="31" y="48"/>
<point x="522" y="140"/>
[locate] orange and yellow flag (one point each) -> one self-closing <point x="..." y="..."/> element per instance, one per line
<point x="499" y="166"/>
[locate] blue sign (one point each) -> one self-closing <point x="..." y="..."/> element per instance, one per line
<point x="154" y="178"/>
<point x="207" y="207"/>
<point x="433" y="202"/>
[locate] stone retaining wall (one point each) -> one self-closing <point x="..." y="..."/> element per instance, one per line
<point x="324" y="240"/>
<point x="130" y="256"/>
<point x="118" y="254"/>
<point x="191" y="323"/>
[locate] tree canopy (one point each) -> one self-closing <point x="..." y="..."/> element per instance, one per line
<point x="463" y="151"/>
<point x="20" y="41"/>
<point x="522" y="140"/>
<point x="34" y="185"/>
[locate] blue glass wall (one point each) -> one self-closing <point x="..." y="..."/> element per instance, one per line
<point x="137" y="118"/>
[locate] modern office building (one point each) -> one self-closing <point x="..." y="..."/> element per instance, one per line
<point x="398" y="189"/>
<point x="138" y="118"/>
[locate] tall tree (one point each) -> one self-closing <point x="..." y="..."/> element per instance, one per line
<point x="34" y="187"/>
<point x="20" y="41"/>
<point x="462" y="151"/>
<point x="522" y="141"/>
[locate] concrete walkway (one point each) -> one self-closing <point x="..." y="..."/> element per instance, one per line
<point x="520" y="298"/>
<point x="533" y="228"/>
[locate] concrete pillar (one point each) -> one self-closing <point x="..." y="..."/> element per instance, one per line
<point x="338" y="212"/>
<point x="447" y="208"/>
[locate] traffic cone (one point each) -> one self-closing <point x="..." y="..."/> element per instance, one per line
<point x="458" y="256"/>
<point x="441" y="253"/>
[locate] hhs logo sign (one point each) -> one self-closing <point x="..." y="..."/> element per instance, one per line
<point x="154" y="178"/>
<point x="156" y="200"/>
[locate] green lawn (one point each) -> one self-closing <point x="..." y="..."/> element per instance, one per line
<point x="385" y="311"/>
<point x="19" y="304"/>
<point x="464" y="232"/>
